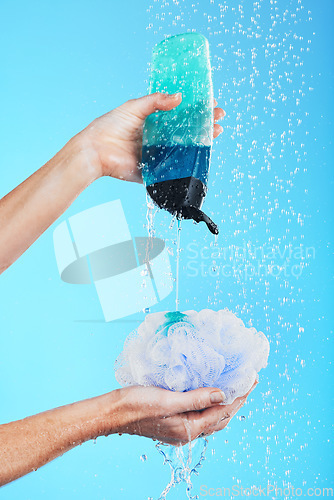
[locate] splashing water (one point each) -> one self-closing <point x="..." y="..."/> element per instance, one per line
<point x="183" y="461"/>
<point x="150" y="216"/>
<point x="259" y="190"/>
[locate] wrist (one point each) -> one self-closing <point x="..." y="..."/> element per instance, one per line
<point x="104" y="415"/>
<point x="81" y="160"/>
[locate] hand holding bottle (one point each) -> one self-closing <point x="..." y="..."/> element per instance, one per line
<point x="113" y="142"/>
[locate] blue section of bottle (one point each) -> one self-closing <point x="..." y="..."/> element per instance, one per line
<point x="164" y="163"/>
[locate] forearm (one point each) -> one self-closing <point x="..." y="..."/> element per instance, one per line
<point x="27" y="211"/>
<point x="26" y="445"/>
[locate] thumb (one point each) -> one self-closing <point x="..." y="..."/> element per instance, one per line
<point x="144" y="106"/>
<point x="199" y="399"/>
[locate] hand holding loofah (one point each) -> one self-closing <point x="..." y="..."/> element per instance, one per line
<point x="185" y="351"/>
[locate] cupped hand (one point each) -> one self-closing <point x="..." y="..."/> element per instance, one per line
<point x="176" y="417"/>
<point x="113" y="142"/>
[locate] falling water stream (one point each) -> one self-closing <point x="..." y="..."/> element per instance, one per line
<point x="183" y="461"/>
<point x="178" y="249"/>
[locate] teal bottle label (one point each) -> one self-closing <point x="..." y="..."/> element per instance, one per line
<point x="181" y="138"/>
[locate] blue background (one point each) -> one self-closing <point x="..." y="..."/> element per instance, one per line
<point x="65" y="63"/>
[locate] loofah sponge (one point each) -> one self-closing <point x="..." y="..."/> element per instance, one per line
<point x="185" y="351"/>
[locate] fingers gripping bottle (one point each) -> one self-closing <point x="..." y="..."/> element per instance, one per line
<point x="177" y="143"/>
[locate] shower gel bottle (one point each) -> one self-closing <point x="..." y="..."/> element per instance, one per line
<point x="177" y="144"/>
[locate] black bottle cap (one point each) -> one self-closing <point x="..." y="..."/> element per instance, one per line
<point x="191" y="212"/>
<point x="183" y="198"/>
